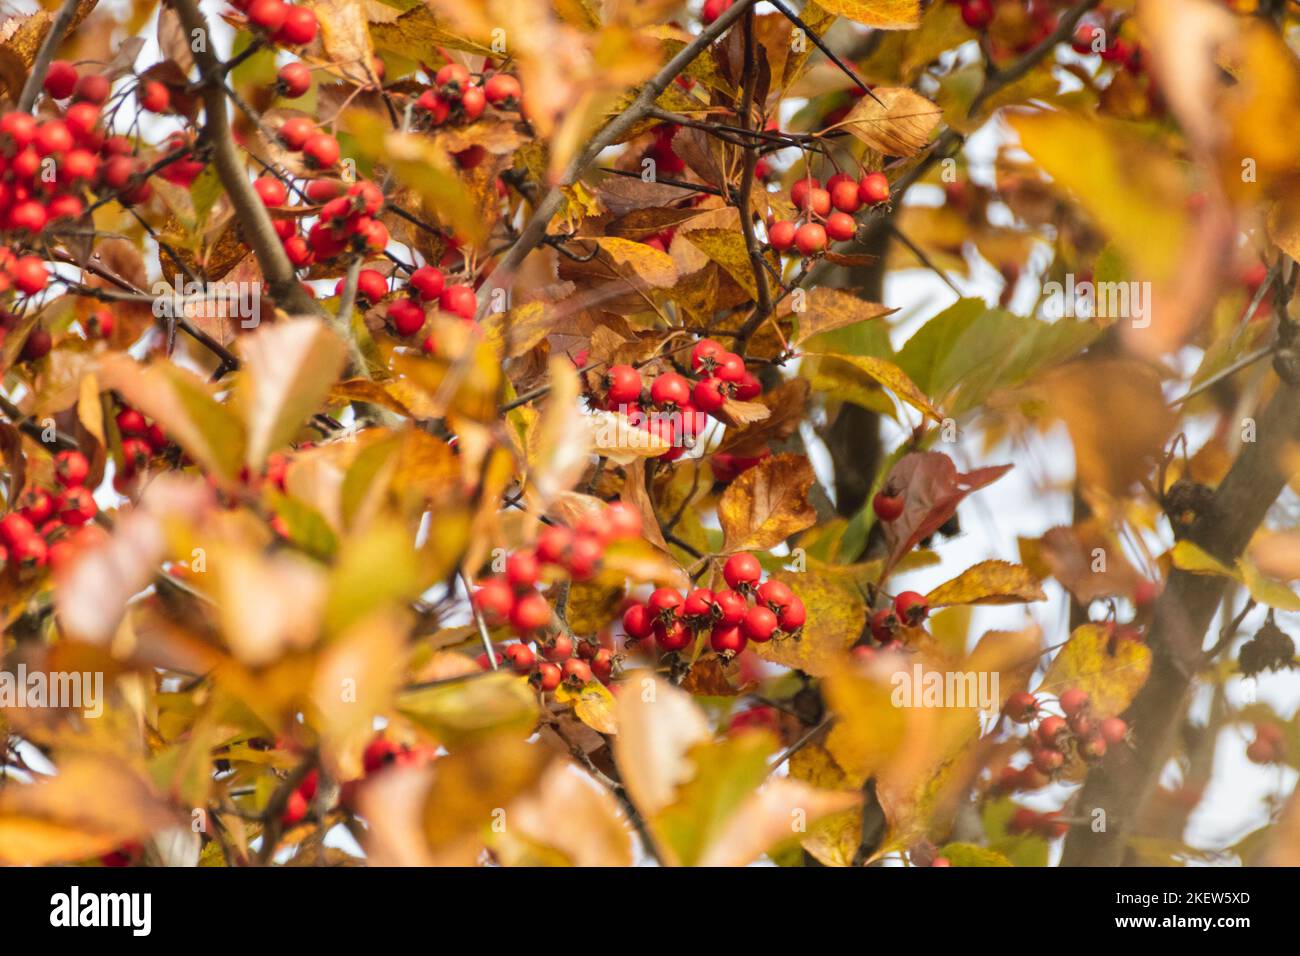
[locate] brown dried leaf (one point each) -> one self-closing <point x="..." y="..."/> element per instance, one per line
<point x="767" y="504"/>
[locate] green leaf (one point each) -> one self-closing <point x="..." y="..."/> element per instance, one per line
<point x="968" y="854"/>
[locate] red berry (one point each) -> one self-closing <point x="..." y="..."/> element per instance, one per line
<point x="522" y="569"/>
<point x="883" y="624"/>
<point x="670" y="389"/>
<point x="502" y="90"/>
<point x="576" y="671"/>
<point x="638" y="622"/>
<point x="378" y="754"/>
<point x="742" y="571"/>
<point x="780" y="235"/>
<point x="530" y="612"/>
<point x="371" y="285"/>
<point x="1073" y="701"/>
<point x="728" y="367"/>
<point x="911" y="608"/>
<point x="298" y="29"/>
<point x="93" y="88"/>
<point x="728" y="640"/>
<point x="1113" y="730"/>
<point x="60" y="79"/>
<point x="35" y="505"/>
<point x="1092" y="747"/>
<point x="810" y="238"/>
<point x="271" y="191"/>
<point x="547" y="677"/>
<point x="458" y="300"/>
<point x="553" y="543"/>
<point x="775" y="594"/>
<point x="1022" y="707"/>
<point x="844" y="195"/>
<point x="154" y="97"/>
<point x="665" y="602"/>
<point x="1051" y="730"/>
<point x="295" y="131"/>
<point x="494" y="599"/>
<point x="800" y="190"/>
<point x="321" y="151"/>
<point x="14" y="529"/>
<point x="76" y="506"/>
<point x="886" y="506"/>
<point x="713" y="9"/>
<point x="293" y="80"/>
<point x="1048" y="761"/>
<point x="558" y="648"/>
<point x="521" y="657"/>
<point x="268" y="15"/>
<point x="584" y="557"/>
<point x="749" y="387"/>
<point x="873" y="189"/>
<point x="841" y="227"/>
<point x="624" y="384"/>
<point x="671" y="635"/>
<point x="29" y="275"/>
<point x="428" y="282"/>
<point x="452" y="76"/>
<point x="602" y="665"/>
<point x="472" y="104"/>
<point x="792" y="616"/>
<point x="71" y="468"/>
<point x="977" y="14"/>
<point x="698" y="604"/>
<point x="406" y="316"/>
<point x="759" y="623"/>
<point x="704" y="352"/>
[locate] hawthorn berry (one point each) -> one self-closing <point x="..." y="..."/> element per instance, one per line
<point x="886" y="506"/>
<point x="841" y="227"/>
<point x="713" y="9"/>
<point x="844" y="194"/>
<point x="14" y="528"/>
<point x="792" y="616"/>
<point x="911" y="608"/>
<point x="298" y="28"/>
<point x="295" y="131"/>
<point x="728" y="640"/>
<point x="742" y="571"/>
<point x="267" y="15"/>
<point x="371" y="285"/>
<point x="154" y="97"/>
<point x="1052" y="730"/>
<point x="30" y="277"/>
<point x="407" y="317"/>
<point x="76" y="506"/>
<point x="780" y="235"/>
<point x="884" y="623"/>
<point x="704" y="353"/>
<point x="71" y="468"/>
<point x="671" y="635"/>
<point x="602" y="664"/>
<point x="576" y="671"/>
<point x="665" y="603"/>
<point x="810" y="238"/>
<point x="547" y="677"/>
<point x="502" y="90"/>
<point x="1048" y="760"/>
<point x="622" y="521"/>
<point x="708" y="395"/>
<point x="458" y="300"/>
<point x="623" y="383"/>
<point x="472" y="104"/>
<point x="759" y="623"/>
<point x="293" y="80"/>
<point x="728" y="367"/>
<point x="977" y="14"/>
<point x="1074" y="701"/>
<point x="271" y="191"/>
<point x="749" y="387"/>
<point x="638" y="622"/>
<point x="873" y="189"/>
<point x="800" y="190"/>
<point x="698" y="604"/>
<point x="729" y="607"/>
<point x="1113" y="730"/>
<point x="775" y="594"/>
<point x="60" y="79"/>
<point x="553" y="543"/>
<point x="670" y="389"/>
<point x="584" y="557"/>
<point x="529" y="612"/>
<point x="428" y="282"/>
<point x="36" y="505"/>
<point x="1022" y="707"/>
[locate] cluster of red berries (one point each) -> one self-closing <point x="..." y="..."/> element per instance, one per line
<point x="1056" y="738"/>
<point x="425" y="286"/>
<point x="683" y="404"/>
<point x="142" y="441"/>
<point x="842" y="193"/>
<point x="46" y="526"/>
<point x="745" y="611"/>
<point x="379" y="754"/>
<point x="284" y="24"/>
<point x="908" y="609"/>
<point x="1049" y="825"/>
<point x="513" y="599"/>
<point x="456" y="97"/>
<point x="345" y="215"/>
<point x="1269" y="746"/>
<point x="1117" y="51"/>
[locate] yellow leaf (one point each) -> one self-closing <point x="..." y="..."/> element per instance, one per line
<point x="657" y="724"/>
<point x="1275" y="594"/>
<point x="727" y="248"/>
<point x="900" y="127"/>
<point x="881" y="14"/>
<point x="477" y="709"/>
<point x="1190" y="557"/>
<point x="989" y="582"/>
<point x="593" y="704"/>
<point x="837" y="613"/>
<point x="471" y="786"/>
<point x="826" y="309"/>
<point x="767" y="819"/>
<point x="767" y="504"/>
<point x="288" y="368"/>
<point x="569" y="814"/>
<point x="1110" y="670"/>
<point x="892" y="377"/>
<point x="651" y="266"/>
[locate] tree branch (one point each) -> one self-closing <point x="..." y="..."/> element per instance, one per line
<point x="1125" y="780"/>
<point x="535" y="229"/>
<point x="44" y="56"/>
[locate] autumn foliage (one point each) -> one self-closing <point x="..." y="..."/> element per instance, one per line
<point x="517" y="432"/>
